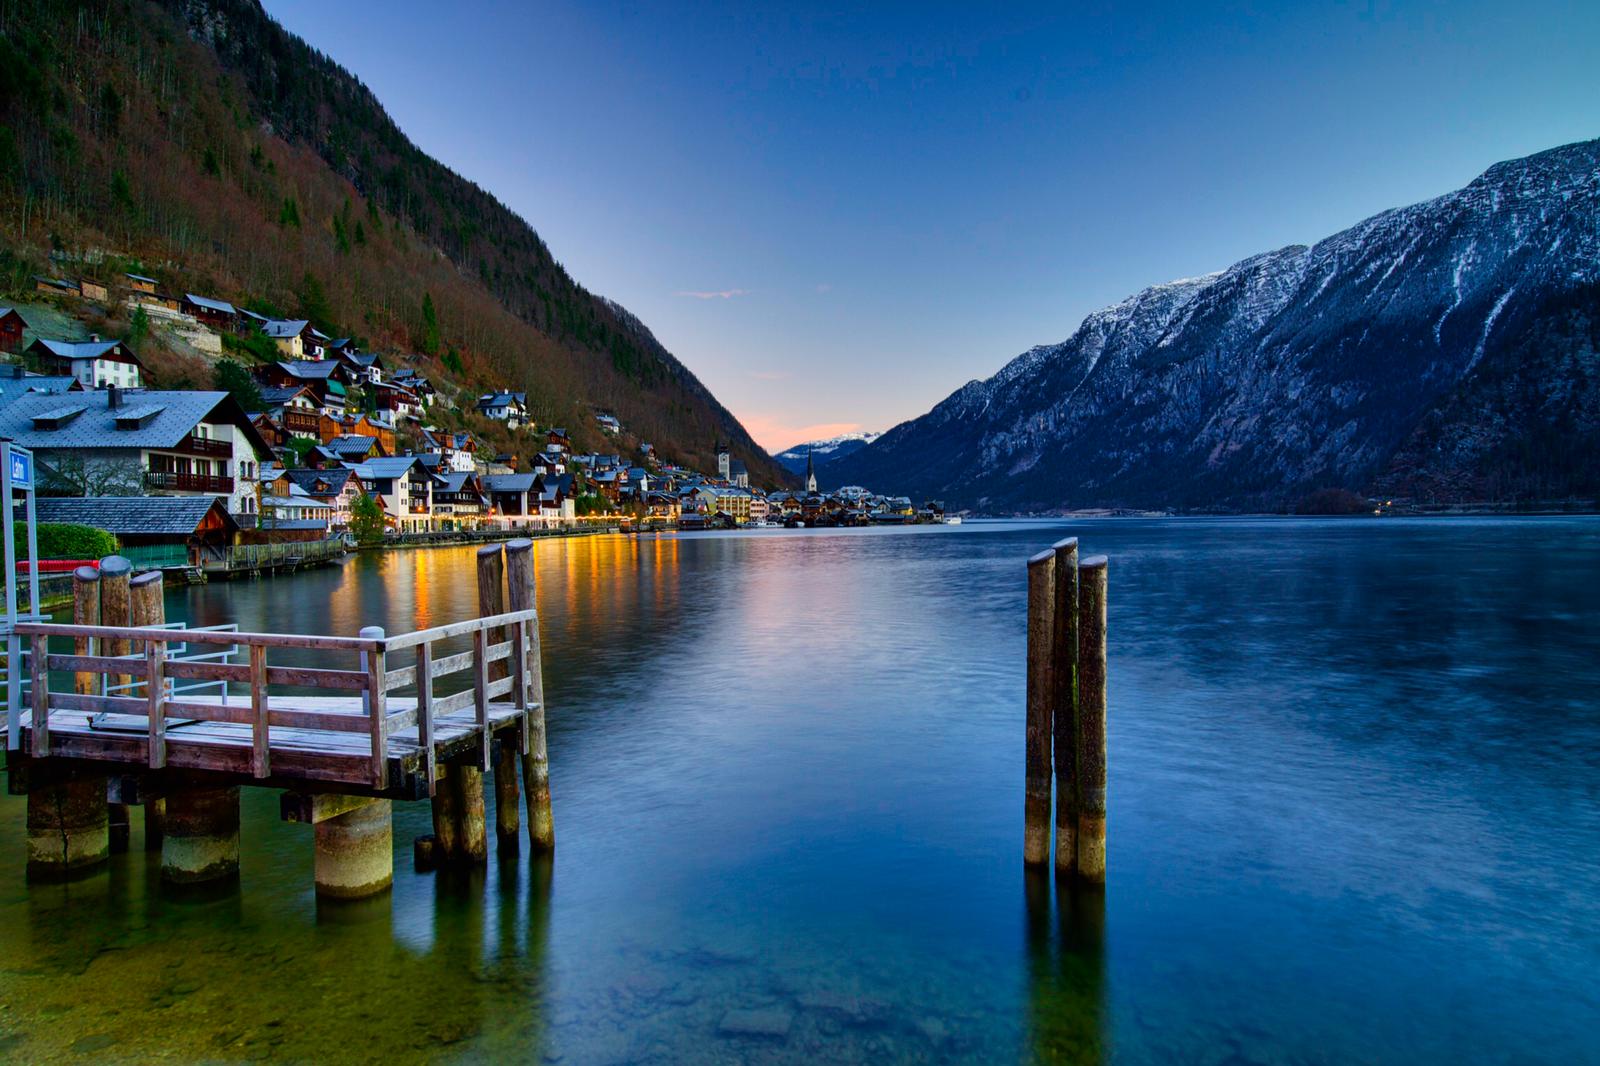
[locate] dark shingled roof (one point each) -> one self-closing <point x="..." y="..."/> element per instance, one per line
<point x="133" y="515"/>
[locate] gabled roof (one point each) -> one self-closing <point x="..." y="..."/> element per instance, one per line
<point x="278" y="395"/>
<point x="284" y="328"/>
<point x="96" y="425"/>
<point x="309" y="369"/>
<point x="349" y="445"/>
<point x="509" y="482"/>
<point x="306" y="480"/>
<point x="454" y="480"/>
<point x="135" y="515"/>
<point x="209" y="304"/>
<point x="6" y="311"/>
<point x="80" y="349"/>
<point x="385" y="467"/>
<point x="140" y="277"/>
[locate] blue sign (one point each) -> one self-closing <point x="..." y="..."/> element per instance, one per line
<point x="21" y="470"/>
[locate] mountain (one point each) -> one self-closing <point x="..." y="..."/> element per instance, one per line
<point x="1444" y="352"/>
<point x="199" y="142"/>
<point x="824" y="451"/>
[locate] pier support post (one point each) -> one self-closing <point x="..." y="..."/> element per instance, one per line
<point x="1041" y="693"/>
<point x="446" y="830"/>
<point x="507" y="801"/>
<point x="86" y="612"/>
<point x="1092" y="720"/>
<point x="355" y="852"/>
<point x="147" y="606"/>
<point x="67" y="829"/>
<point x="1065" y="703"/>
<point x="523" y="590"/>
<point x="201" y="841"/>
<point x="112" y="596"/>
<point x="466" y="781"/>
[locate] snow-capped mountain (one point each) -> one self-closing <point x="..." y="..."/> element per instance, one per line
<point x="1444" y="351"/>
<point x="823" y="451"/>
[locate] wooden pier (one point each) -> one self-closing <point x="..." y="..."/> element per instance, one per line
<point x="104" y="706"/>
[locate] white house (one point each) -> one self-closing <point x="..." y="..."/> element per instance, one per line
<point x="94" y="362"/>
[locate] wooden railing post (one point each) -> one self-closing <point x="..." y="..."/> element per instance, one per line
<point x="376" y="705"/>
<point x="260" y="712"/>
<point x="425" y="713"/>
<point x="480" y="693"/>
<point x="1040" y="693"/>
<point x="155" y="689"/>
<point x="40" y="674"/>
<point x="147" y="606"/>
<point x="507" y="802"/>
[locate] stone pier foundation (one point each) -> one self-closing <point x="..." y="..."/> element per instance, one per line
<point x="68" y="831"/>
<point x="200" y="840"/>
<point x="355" y="852"/>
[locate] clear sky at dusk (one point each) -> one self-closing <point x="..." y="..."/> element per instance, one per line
<point x="837" y="217"/>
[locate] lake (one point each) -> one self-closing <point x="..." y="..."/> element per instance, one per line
<point x="1354" y="816"/>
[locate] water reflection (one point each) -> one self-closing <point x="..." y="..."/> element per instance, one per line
<point x="1066" y="970"/>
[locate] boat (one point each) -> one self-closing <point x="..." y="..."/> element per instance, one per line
<point x="952" y="520"/>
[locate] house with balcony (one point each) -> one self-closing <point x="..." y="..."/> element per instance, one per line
<point x="407" y="378"/>
<point x="295" y="408"/>
<point x="403" y="486"/>
<point x="127" y="443"/>
<point x="459" y="501"/>
<point x="94" y="362"/>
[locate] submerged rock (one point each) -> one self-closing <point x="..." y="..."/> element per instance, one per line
<point x="769" y="1022"/>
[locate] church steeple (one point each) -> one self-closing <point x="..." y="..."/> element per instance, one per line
<point x="811" y="474"/>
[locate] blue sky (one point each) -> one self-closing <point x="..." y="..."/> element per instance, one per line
<point x="836" y="217"/>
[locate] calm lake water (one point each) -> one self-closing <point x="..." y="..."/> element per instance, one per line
<point x="1355" y="816"/>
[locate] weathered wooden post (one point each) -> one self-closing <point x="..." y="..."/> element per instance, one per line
<point x="147" y="606"/>
<point x="1092" y="720"/>
<point x="114" y="596"/>
<point x="1041" y="693"/>
<point x="523" y="587"/>
<point x="1064" y="651"/>
<point x="466" y="780"/>
<point x="446" y="824"/>
<point x="507" y="801"/>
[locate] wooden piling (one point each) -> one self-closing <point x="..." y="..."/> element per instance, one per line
<point x="446" y="832"/>
<point x="1065" y="704"/>
<point x="86" y="612"/>
<point x="507" y="801"/>
<point x="466" y="781"/>
<point x="523" y="589"/>
<point x="1041" y="693"/>
<point x="147" y="606"/>
<point x="1091" y="770"/>
<point x="67" y="829"/>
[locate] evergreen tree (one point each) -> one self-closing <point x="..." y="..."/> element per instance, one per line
<point x="232" y="378"/>
<point x="430" y="327"/>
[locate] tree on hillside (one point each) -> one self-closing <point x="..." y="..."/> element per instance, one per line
<point x="429" y="342"/>
<point x="230" y="377"/>
<point x="314" y="302"/>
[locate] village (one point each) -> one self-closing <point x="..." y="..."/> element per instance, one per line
<point x="322" y="442"/>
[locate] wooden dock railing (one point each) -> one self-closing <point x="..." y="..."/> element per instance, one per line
<point x="365" y="708"/>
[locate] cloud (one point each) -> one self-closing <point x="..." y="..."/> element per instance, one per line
<point x="775" y="433"/>
<point x="720" y="294"/>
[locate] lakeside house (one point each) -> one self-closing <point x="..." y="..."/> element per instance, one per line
<point x="115" y="441"/>
<point x="145" y="526"/>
